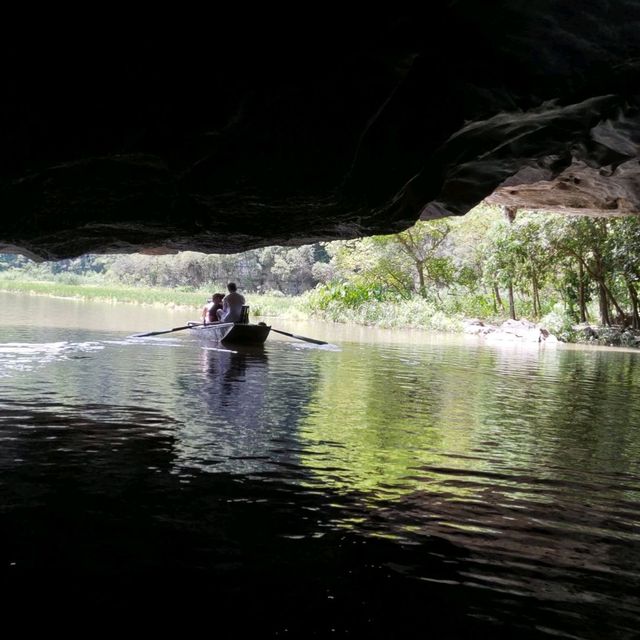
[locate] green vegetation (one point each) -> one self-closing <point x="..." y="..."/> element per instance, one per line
<point x="261" y="304"/>
<point x="559" y="270"/>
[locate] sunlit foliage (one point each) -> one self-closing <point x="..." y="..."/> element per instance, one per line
<point x="540" y="266"/>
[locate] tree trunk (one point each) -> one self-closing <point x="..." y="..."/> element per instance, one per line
<point x="536" y="298"/>
<point x="422" y="288"/>
<point x="510" y="213"/>
<point x="581" y="294"/>
<point x="512" y="306"/>
<point x="599" y="276"/>
<point x="614" y="302"/>
<point x="605" y="317"/>
<point x="497" y="299"/>
<point x="635" y="315"/>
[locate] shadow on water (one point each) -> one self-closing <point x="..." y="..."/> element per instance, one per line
<point x="114" y="530"/>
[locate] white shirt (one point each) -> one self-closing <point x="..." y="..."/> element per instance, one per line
<point x="232" y="307"/>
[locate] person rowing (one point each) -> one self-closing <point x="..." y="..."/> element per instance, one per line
<point x="231" y="305"/>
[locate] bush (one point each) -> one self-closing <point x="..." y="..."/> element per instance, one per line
<point x="353" y="294"/>
<point x="68" y="278"/>
<point x="339" y="305"/>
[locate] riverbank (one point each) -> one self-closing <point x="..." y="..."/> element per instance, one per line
<point x="415" y="313"/>
<point x="268" y="305"/>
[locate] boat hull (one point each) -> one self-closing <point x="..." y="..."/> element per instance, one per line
<point x="237" y="333"/>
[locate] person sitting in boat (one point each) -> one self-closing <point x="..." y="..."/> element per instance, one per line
<point x="210" y="310"/>
<point x="231" y="305"/>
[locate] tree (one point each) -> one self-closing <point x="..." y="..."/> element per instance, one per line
<point x="624" y="247"/>
<point x="293" y="268"/>
<point x="585" y="240"/>
<point x="501" y="261"/>
<point x="421" y="244"/>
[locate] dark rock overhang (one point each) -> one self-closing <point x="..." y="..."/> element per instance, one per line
<point x="286" y="129"/>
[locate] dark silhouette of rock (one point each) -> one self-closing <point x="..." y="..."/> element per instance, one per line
<point x="249" y="127"/>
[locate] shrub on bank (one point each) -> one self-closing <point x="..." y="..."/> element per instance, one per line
<point x="415" y="312"/>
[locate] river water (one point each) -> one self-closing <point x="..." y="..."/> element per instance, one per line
<point x="393" y="484"/>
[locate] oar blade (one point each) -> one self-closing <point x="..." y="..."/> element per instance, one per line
<point x="309" y="339"/>
<point x="293" y="335"/>
<point x="145" y="335"/>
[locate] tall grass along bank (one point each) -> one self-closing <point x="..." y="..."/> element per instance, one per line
<point x="261" y="304"/>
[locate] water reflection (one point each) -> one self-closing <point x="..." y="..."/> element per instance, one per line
<point x="385" y="488"/>
<point x="485" y="410"/>
<point x="240" y="414"/>
<point x="479" y="449"/>
<point x="233" y="374"/>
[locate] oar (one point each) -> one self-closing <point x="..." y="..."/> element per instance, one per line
<point x="157" y="333"/>
<point x="186" y="326"/>
<point x="293" y="335"/>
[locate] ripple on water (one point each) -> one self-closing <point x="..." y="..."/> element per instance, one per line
<point x="507" y="486"/>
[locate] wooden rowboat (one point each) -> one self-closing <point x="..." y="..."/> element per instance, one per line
<point x="231" y="332"/>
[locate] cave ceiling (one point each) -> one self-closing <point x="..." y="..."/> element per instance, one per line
<point x="250" y="130"/>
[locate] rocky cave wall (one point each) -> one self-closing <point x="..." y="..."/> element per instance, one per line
<point x="279" y="128"/>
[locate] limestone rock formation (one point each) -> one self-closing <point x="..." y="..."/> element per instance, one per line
<point x="242" y="129"/>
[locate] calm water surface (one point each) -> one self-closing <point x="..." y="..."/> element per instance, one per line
<point x="394" y="484"/>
